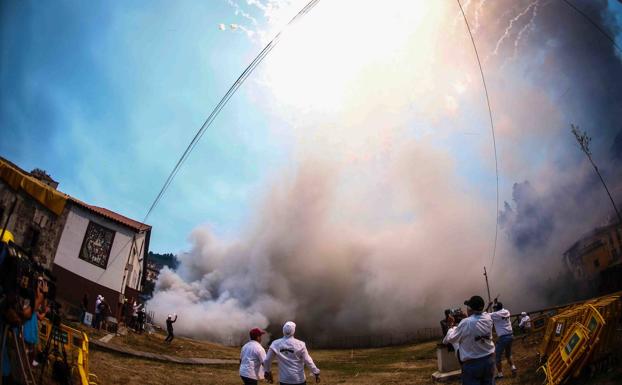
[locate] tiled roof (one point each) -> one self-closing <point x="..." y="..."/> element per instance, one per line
<point x="138" y="226"/>
<point x="135" y="225"/>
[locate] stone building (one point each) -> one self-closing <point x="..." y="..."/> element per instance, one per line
<point x="595" y="252"/>
<point x="91" y="250"/>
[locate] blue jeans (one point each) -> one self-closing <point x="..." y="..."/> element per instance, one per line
<point x="504" y="343"/>
<point x="249" y="381"/>
<point x="479" y="371"/>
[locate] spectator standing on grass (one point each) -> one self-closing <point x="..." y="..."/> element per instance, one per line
<point x="292" y="356"/>
<point x="134" y="323"/>
<point x="140" y="320"/>
<point x="474" y="334"/>
<point x="525" y="323"/>
<point x="169" y="328"/>
<point x="505" y="336"/>
<point x="252" y="357"/>
<point x="98" y="316"/>
<point x="104" y="312"/>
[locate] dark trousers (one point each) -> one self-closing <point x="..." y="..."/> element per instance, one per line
<point x="302" y="383"/>
<point x="170" y="336"/>
<point x="248" y="381"/>
<point x="479" y="371"/>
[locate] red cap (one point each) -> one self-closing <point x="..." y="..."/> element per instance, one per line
<point x="256" y="332"/>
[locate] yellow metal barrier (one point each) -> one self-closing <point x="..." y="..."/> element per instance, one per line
<point x="562" y="359"/>
<point x="578" y="336"/>
<point x="556" y="328"/>
<point x="75" y="344"/>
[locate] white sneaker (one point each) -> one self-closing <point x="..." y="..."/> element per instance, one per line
<point x="35" y="363"/>
<point x="499" y="376"/>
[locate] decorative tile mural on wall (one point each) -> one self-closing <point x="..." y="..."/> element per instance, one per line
<point x="97" y="244"/>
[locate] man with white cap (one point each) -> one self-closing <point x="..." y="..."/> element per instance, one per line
<point x="169" y="328"/>
<point x="474" y="334"/>
<point x="292" y="356"/>
<point x="98" y="315"/>
<point x="525" y="323"/>
<point x="252" y="357"/>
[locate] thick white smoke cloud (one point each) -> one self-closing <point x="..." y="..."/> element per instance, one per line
<point x="386" y="215"/>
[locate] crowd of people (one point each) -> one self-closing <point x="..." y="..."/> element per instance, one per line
<point x="472" y="340"/>
<point x="133" y="314"/>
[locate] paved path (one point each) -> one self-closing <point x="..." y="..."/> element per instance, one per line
<point x="158" y="357"/>
<point x="106" y="338"/>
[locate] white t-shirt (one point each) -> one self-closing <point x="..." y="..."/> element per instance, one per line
<point x="292" y="356"/>
<point x="474" y="334"/>
<point x="97" y="305"/>
<point x="526" y="322"/>
<point x="251" y="360"/>
<point x="502" y="322"/>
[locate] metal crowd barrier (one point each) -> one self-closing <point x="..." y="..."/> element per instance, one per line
<point x="581" y="335"/>
<point x="75" y="343"/>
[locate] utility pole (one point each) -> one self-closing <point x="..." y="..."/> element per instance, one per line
<point x="487" y="287"/>
<point x="584" y="143"/>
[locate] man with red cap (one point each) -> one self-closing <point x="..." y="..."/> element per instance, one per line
<point x="251" y="358"/>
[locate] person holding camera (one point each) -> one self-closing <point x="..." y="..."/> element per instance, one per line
<point x="292" y="356"/>
<point x="474" y="334"/>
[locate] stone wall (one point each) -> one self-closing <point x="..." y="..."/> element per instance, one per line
<point x="36" y="229"/>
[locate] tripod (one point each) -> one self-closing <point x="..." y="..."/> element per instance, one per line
<point x="20" y="353"/>
<point x="55" y="346"/>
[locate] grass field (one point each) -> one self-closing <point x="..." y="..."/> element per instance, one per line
<point x="412" y="364"/>
<point x="409" y="364"/>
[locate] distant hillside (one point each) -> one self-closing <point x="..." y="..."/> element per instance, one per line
<point x="168" y="259"/>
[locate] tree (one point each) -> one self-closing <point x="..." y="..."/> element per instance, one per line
<point x="584" y="143"/>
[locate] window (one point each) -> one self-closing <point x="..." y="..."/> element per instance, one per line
<point x="31" y="239"/>
<point x="97" y="244"/>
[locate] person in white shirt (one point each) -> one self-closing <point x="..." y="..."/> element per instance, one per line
<point x="252" y="357"/>
<point x="505" y="335"/>
<point x="292" y="356"/>
<point x="474" y="334"/>
<point x="525" y="323"/>
<point x="98" y="314"/>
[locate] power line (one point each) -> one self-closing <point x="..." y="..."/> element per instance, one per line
<point x="595" y="24"/>
<point x="492" y="129"/>
<point x="232" y="90"/>
<point x="212" y="116"/>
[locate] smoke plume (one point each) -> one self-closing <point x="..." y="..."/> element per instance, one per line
<point x="386" y="214"/>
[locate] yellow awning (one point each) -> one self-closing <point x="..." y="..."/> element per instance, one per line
<point x="49" y="197"/>
<point x="7" y="236"/>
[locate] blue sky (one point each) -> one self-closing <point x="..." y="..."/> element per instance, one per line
<point x="105" y="96"/>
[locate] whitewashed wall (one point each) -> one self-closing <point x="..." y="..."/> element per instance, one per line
<point x="68" y="251"/>
<point x="135" y="263"/>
